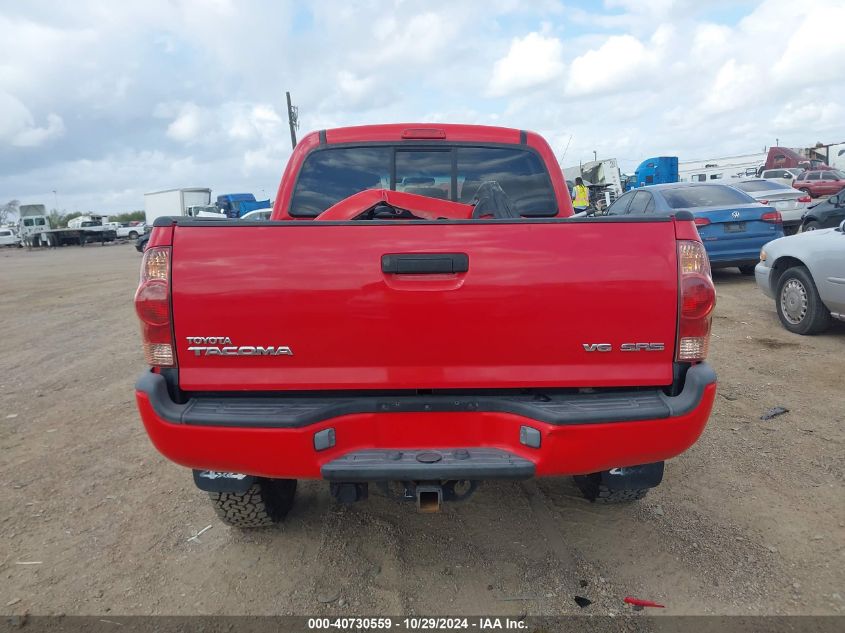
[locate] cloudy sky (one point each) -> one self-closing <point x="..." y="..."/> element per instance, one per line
<point x="102" y="101"/>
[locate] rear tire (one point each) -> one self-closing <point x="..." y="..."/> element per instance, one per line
<point x="812" y="225"/>
<point x="807" y="191"/>
<point x="747" y="270"/>
<point x="799" y="307"/>
<point x="594" y="490"/>
<point x="133" y="235"/>
<point x="266" y="503"/>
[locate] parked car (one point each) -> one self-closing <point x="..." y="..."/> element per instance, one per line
<point x="790" y="202"/>
<point x="9" y="238"/>
<point x="783" y="176"/>
<point x="258" y="214"/>
<point x="732" y="224"/>
<point x="805" y="275"/>
<point x="825" y="214"/>
<point x="820" y="182"/>
<point x="141" y="242"/>
<point x="389" y="337"/>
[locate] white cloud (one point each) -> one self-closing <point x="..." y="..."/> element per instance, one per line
<point x="188" y="124"/>
<point x="815" y="51"/>
<point x="826" y="115"/>
<point x="18" y="128"/>
<point x="531" y="61"/>
<point x="620" y="61"/>
<point x="735" y="86"/>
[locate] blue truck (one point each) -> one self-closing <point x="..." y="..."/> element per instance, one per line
<point x="654" y="171"/>
<point x="234" y="205"/>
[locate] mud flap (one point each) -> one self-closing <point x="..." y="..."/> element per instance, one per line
<point x="218" y="481"/>
<point x="633" y="477"/>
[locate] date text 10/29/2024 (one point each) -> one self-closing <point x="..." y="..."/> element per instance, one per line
<point x="417" y="624"/>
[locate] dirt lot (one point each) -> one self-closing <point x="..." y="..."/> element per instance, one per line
<point x="750" y="521"/>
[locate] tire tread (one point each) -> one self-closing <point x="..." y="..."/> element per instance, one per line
<point x="266" y="503"/>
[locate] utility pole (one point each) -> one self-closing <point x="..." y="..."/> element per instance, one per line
<point x="595" y="156"/>
<point x="293" y="121"/>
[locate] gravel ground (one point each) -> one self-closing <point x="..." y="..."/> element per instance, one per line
<point x="751" y="520"/>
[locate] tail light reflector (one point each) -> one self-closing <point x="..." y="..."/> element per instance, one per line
<point x="773" y="217"/>
<point x="702" y="221"/>
<point x="697" y="300"/>
<point x="152" y="304"/>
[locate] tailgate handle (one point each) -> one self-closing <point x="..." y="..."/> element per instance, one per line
<point x="424" y="263"/>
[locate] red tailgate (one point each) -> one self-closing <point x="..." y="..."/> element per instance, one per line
<point x="533" y="295"/>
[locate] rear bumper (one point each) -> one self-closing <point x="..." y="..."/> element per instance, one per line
<point x="744" y="251"/>
<point x="507" y="437"/>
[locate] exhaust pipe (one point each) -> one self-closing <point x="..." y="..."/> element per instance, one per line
<point x="429" y="498"/>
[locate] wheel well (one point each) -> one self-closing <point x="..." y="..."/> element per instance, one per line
<point x="781" y="266"/>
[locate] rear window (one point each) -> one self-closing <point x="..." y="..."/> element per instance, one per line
<point x="704" y="196"/>
<point x="449" y="173"/>
<point x="759" y="185"/>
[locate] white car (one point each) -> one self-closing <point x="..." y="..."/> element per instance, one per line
<point x="8" y="238"/>
<point x="784" y="175"/>
<point x="805" y="275"/>
<point x="790" y="202"/>
<point x="257" y="215"/>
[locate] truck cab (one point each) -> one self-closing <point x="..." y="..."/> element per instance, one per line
<point x="33" y="220"/>
<point x="230" y="203"/>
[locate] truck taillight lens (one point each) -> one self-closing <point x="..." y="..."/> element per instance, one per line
<point x="152" y="304"/>
<point x="697" y="300"/>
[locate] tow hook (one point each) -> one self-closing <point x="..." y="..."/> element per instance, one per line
<point x="429" y="498"/>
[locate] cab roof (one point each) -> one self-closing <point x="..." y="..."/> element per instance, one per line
<point x="423" y="131"/>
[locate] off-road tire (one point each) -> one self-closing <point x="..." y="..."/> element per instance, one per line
<point x="595" y="491"/>
<point x="266" y="503"/>
<point x="817" y="317"/>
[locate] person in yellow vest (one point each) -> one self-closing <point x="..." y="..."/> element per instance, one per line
<point x="580" y="197"/>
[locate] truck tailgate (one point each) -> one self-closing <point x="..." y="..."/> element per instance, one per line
<point x="536" y="297"/>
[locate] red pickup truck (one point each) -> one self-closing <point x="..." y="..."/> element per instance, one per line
<point x="422" y="314"/>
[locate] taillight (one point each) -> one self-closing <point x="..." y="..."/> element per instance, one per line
<point x="763" y="201"/>
<point x="701" y="221"/>
<point x="152" y="304"/>
<point x="772" y="216"/>
<point x="805" y="199"/>
<point x="698" y="298"/>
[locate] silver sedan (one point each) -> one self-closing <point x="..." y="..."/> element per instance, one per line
<point x="790" y="202"/>
<point x="805" y="275"/>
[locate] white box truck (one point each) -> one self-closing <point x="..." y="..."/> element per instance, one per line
<point x="159" y="204"/>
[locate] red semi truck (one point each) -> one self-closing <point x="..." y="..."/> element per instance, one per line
<point x="422" y="314"/>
